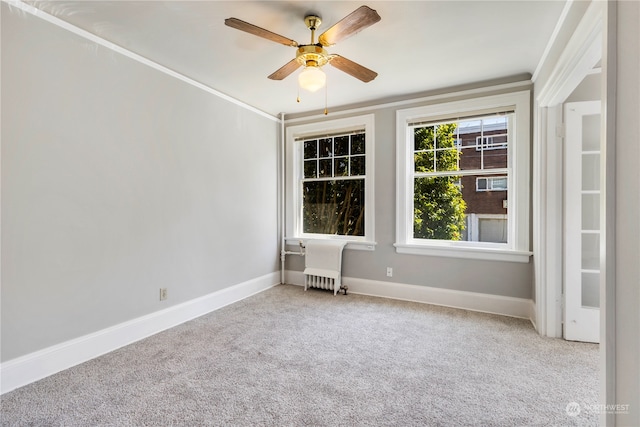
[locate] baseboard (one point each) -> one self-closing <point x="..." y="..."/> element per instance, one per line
<point x="474" y="301"/>
<point x="532" y="315"/>
<point x="35" y="366"/>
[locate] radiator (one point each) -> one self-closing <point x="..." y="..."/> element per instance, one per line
<point x="323" y="265"/>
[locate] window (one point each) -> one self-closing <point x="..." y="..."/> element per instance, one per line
<point x="456" y="164"/>
<point x="330" y="181"/>
<point x="492" y="142"/>
<point x="333" y="184"/>
<point x="498" y="183"/>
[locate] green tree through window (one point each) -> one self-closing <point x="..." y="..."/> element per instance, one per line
<point x="439" y="209"/>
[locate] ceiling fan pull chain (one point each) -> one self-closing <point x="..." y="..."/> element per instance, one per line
<point x="326" y="111"/>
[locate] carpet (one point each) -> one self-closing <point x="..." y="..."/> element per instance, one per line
<point x="286" y="357"/>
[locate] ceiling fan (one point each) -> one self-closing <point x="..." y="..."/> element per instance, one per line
<point x="313" y="56"/>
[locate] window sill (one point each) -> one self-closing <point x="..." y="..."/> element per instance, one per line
<point x="351" y="244"/>
<point x="488" y="254"/>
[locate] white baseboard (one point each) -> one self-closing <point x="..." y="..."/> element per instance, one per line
<point x="40" y="364"/>
<point x="486" y="303"/>
<point x="35" y="366"/>
<point x="532" y="315"/>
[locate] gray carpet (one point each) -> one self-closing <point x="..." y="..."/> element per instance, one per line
<point x="286" y="357"/>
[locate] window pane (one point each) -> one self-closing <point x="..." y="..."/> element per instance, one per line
<point x="460" y="208"/>
<point x="493" y="159"/>
<point x="334" y="207"/>
<point x="591" y="251"/>
<point x="470" y="158"/>
<point x="492" y="230"/>
<point x="357" y="144"/>
<point x="591" y="171"/>
<point x="341" y="166"/>
<point x="497" y="141"/>
<point x="326" y="147"/>
<point x="325" y="169"/>
<point x="439" y="209"/>
<point x="446" y="135"/>
<point x="447" y="160"/>
<point x="496" y="124"/>
<point x="310" y="168"/>
<point x="591" y="133"/>
<point x="341" y="146"/>
<point x="468" y="130"/>
<point x="423" y="161"/>
<point x="590" y="211"/>
<point x="590" y="289"/>
<point x="357" y="165"/>
<point x="423" y="138"/>
<point x="498" y="183"/>
<point x="310" y="149"/>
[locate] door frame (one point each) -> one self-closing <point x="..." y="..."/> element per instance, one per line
<point x="583" y="51"/>
<point x="545" y="242"/>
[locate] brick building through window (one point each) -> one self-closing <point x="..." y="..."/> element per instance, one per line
<point x="485" y="194"/>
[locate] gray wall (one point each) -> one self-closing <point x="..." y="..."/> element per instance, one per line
<point x="118" y="180"/>
<point x="588" y="90"/>
<point x="490" y="277"/>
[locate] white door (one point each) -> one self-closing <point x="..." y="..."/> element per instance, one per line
<point x="582" y="222"/>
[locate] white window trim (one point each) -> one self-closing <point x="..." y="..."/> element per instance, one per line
<point x="293" y="205"/>
<point x="517" y="250"/>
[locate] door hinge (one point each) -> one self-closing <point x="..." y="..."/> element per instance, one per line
<point x="561" y="131"/>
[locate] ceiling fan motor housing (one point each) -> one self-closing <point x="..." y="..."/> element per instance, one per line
<point x="312" y="55"/>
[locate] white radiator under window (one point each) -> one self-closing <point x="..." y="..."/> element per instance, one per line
<point x="323" y="264"/>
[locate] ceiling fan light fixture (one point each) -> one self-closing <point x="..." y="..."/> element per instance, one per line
<point x="312" y="78"/>
<point x="313" y="56"/>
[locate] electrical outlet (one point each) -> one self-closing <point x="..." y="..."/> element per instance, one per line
<point x="163" y="294"/>
<point x="389" y="272"/>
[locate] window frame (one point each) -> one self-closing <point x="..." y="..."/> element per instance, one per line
<point x="517" y="249"/>
<point x="294" y="177"/>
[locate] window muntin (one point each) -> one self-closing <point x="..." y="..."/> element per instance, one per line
<point x="419" y="160"/>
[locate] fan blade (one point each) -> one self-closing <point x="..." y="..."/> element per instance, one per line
<point x="285" y="70"/>
<point x="260" y="32"/>
<point x="354" y="69"/>
<point x="357" y="20"/>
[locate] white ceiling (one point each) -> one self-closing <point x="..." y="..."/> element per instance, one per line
<point x="418" y="46"/>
